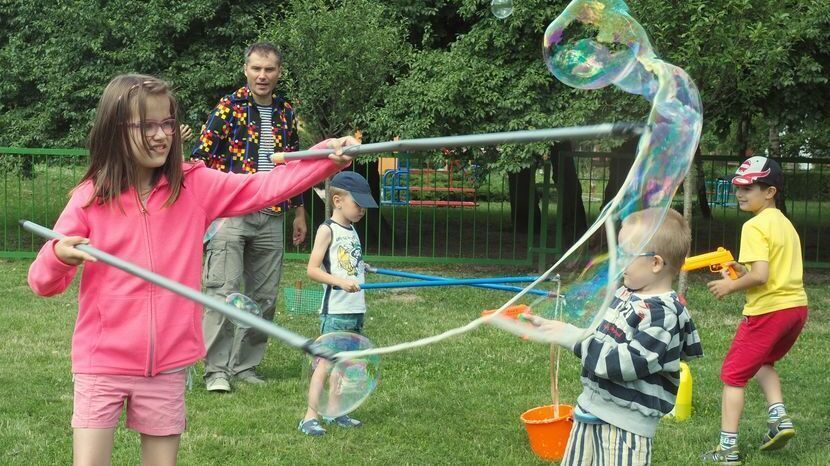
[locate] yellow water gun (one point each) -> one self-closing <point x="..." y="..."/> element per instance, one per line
<point x="716" y="261"/>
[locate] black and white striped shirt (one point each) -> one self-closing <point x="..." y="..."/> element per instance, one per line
<point x="631" y="363"/>
<point x="266" y="140"/>
<point x="266" y="146"/>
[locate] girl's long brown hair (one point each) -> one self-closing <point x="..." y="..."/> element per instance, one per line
<point x="112" y="165"/>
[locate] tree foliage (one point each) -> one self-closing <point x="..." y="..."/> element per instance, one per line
<point x="490" y="78"/>
<point x="760" y="65"/>
<point x="58" y="56"/>
<point x="415" y="68"/>
<point x="339" y="56"/>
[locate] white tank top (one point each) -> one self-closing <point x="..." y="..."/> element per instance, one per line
<point x="344" y="259"/>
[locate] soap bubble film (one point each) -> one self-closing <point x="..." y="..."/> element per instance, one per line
<point x="501" y="8"/>
<point x="212" y="229"/>
<point x="591" y="45"/>
<point x="245" y="304"/>
<point x="339" y="388"/>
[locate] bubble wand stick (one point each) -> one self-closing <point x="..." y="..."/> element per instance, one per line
<point x="473" y="140"/>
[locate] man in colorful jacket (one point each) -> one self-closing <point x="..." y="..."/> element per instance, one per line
<point x="240" y="135"/>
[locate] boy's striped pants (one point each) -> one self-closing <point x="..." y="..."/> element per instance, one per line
<point x="605" y="445"/>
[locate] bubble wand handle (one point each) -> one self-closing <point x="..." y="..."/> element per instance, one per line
<point x="473" y="140"/>
<point x="262" y="325"/>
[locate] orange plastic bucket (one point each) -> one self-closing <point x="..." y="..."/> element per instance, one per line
<point x="548" y="435"/>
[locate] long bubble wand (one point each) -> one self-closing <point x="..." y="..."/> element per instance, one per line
<point x="269" y="328"/>
<point x="474" y="140"/>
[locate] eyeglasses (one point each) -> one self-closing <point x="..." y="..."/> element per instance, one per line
<point x="628" y="256"/>
<point x="150" y="128"/>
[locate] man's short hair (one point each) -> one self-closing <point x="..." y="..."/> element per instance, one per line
<point x="263" y="48"/>
<point x="672" y="239"/>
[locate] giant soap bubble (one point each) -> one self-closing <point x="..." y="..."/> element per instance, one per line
<point x="501" y="8"/>
<point x="591" y="45"/>
<point x="339" y="387"/>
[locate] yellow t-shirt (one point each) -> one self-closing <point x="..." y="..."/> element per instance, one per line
<point x="769" y="236"/>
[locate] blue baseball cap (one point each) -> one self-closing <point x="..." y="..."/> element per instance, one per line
<point x="357" y="186"/>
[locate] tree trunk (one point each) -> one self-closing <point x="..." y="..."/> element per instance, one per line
<point x="683" y="282"/>
<point x="774" y="139"/>
<point x="775" y="153"/>
<point x="521" y="185"/>
<point x="573" y="218"/>
<point x="742" y="137"/>
<point x="700" y="183"/>
<point x="27" y="167"/>
<point x="618" y="168"/>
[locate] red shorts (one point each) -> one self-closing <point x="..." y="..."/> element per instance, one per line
<point x="155" y="405"/>
<point x="760" y="341"/>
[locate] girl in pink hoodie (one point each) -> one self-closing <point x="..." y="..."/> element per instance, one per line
<point x="141" y="202"/>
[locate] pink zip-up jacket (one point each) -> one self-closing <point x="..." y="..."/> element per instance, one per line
<point x="128" y="326"/>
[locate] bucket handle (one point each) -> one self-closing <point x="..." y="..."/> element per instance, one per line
<point x="554" y="378"/>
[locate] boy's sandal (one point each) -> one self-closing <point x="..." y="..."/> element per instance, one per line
<point x="311" y="427"/>
<point x="721" y="456"/>
<point x="343" y="421"/>
<point x="776" y="437"/>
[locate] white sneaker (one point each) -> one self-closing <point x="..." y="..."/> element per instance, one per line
<point x="218" y="384"/>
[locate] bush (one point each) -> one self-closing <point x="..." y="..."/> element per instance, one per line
<point x="808" y="186"/>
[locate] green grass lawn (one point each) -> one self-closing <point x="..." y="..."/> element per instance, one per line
<point x="455" y="402"/>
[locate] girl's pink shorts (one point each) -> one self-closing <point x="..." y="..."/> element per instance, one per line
<point x="155" y="405"/>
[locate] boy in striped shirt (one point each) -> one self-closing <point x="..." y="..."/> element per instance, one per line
<point x="631" y="361"/>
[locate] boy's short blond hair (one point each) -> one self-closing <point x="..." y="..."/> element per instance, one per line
<point x="672" y="239"/>
<point x="333" y="191"/>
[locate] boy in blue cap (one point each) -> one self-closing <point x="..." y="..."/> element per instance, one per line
<point x="336" y="261"/>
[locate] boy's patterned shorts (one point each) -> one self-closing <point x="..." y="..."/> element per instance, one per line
<point x="341" y="323"/>
<point x="591" y="444"/>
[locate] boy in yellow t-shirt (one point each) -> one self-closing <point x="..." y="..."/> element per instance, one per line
<point x="775" y="310"/>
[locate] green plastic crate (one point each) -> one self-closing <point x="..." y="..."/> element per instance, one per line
<point x="301" y="300"/>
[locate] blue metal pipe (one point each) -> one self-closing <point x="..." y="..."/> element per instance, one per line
<point x="481" y="283"/>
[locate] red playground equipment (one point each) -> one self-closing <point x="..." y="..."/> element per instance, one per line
<point x="397" y="189"/>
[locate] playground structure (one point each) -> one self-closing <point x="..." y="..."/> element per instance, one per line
<point x="397" y="188"/>
<point x="720" y="192"/>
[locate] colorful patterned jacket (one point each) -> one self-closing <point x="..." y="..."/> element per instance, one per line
<point x="229" y="140"/>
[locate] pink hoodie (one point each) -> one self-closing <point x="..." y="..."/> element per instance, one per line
<point x="126" y="325"/>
